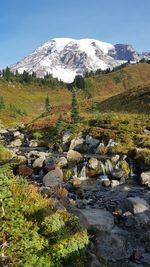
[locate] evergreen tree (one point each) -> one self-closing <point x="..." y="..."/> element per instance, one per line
<point x="2" y="104"/>
<point x="47" y="105"/>
<point x="79" y="82"/>
<point x="75" y="110"/>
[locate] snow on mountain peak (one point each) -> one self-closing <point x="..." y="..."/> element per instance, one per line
<point x="65" y="58"/>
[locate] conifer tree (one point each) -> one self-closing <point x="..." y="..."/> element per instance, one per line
<point x="75" y="110"/>
<point x="2" y="104"/>
<point x="47" y="105"/>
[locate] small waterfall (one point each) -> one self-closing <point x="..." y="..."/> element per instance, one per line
<point x="83" y="173"/>
<point x="117" y="165"/>
<point x="104" y="175"/>
<point x="132" y="168"/>
<point x="75" y="172"/>
<point x="103" y="167"/>
<point x="108" y="166"/>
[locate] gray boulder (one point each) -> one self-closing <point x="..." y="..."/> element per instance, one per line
<point x="136" y="205"/>
<point x="96" y="219"/>
<point x="77" y="144"/>
<point x="91" y="142"/>
<point x="113" y="246"/>
<point x="53" y="178"/>
<point x="141" y="211"/>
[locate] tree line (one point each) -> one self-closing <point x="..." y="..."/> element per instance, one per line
<point x="27" y="78"/>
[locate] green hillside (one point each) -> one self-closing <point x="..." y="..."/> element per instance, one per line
<point x="134" y="101"/>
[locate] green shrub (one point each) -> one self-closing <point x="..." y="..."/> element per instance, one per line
<point x="32" y="234"/>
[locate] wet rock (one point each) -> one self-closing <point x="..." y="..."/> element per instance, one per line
<point x="115" y="158"/>
<point x="94" y="163"/>
<point x="24" y="170"/>
<point x="113" y="245"/>
<point x="118" y="174"/>
<point x="76" y="182"/>
<point x="145" y="178"/>
<point x="53" y="178"/>
<point x="96" y="219"/>
<point x="73" y="155"/>
<point x="106" y="183"/>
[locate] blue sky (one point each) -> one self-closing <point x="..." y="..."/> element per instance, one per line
<point x="26" y="24"/>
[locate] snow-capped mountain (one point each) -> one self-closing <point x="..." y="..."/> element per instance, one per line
<point x="65" y="58"/>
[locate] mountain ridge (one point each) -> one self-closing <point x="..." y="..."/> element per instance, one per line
<point x="65" y="58"/>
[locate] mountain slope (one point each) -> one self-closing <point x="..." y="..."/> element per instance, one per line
<point x="136" y="100"/>
<point x="131" y="76"/>
<point x="65" y="58"/>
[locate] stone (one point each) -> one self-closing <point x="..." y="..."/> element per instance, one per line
<point x="145" y="178"/>
<point x="16" y="143"/>
<point x="106" y="183"/>
<point x="136" y="255"/>
<point x="77" y="144"/>
<point x="114" y="245"/>
<point x="114" y="183"/>
<point x="76" y="182"/>
<point x="118" y="174"/>
<point x="66" y="137"/>
<point x="16" y="133"/>
<point x="96" y="219"/>
<point x="101" y="149"/>
<point x="53" y="178"/>
<point x="136" y="205"/>
<point x="38" y="163"/>
<point x="66" y="141"/>
<point x="93" y="260"/>
<point x="91" y="142"/>
<point x="94" y="163"/>
<point x="62" y="162"/>
<point x="24" y="170"/>
<point x="45" y="190"/>
<point x="73" y="155"/>
<point x="141" y="211"/>
<point x="61" y="191"/>
<point x="33" y="143"/>
<point x="3" y="131"/>
<point x="50" y="166"/>
<point x="21" y="159"/>
<point x="115" y="158"/>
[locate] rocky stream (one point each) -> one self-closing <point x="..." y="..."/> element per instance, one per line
<point x="106" y="191"/>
